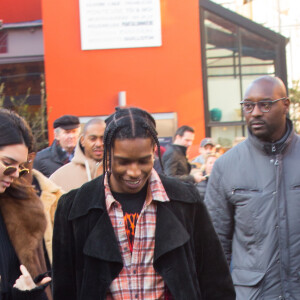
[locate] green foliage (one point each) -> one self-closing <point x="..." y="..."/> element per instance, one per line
<point x="294" y="95"/>
<point x="36" y="118"/>
<point x="2" y="96"/>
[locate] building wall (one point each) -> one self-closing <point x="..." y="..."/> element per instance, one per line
<point x="14" y="11"/>
<point x="23" y="42"/>
<point x="159" y="79"/>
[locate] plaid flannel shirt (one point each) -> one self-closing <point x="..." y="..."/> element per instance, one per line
<point x="138" y="279"/>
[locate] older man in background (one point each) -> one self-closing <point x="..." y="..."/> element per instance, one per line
<point x="87" y="162"/>
<point x="66" y="134"/>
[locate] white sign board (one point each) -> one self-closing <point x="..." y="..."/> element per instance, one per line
<point x="111" y="24"/>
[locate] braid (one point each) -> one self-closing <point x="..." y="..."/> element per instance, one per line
<point x="128" y="123"/>
<point x="107" y="141"/>
<point x="111" y="136"/>
<point x="156" y="141"/>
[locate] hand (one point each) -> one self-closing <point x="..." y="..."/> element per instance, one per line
<point x="198" y="177"/>
<point x="25" y="281"/>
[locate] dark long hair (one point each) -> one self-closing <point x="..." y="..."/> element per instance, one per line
<point x="14" y="130"/>
<point x="128" y="123"/>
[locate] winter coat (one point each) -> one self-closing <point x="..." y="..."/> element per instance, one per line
<point x="201" y="187"/>
<point x="48" y="160"/>
<point x="187" y="254"/>
<point x="25" y="222"/>
<point x="253" y="196"/>
<point x="50" y="193"/>
<point x="77" y="172"/>
<point x="176" y="164"/>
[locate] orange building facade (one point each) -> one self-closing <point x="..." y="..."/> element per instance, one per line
<point x="197" y="77"/>
<point x="159" y="79"/>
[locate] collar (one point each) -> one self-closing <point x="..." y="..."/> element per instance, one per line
<point x="25" y="222"/>
<point x="58" y="153"/>
<point x="156" y="191"/>
<point x="181" y="148"/>
<point x="91" y="166"/>
<point x="92" y="195"/>
<point x="45" y="183"/>
<point x="277" y="147"/>
<point x="79" y="156"/>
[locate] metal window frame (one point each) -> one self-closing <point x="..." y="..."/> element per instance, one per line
<point x="241" y="22"/>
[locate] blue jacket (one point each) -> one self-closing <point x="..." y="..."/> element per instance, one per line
<point x="48" y="160"/>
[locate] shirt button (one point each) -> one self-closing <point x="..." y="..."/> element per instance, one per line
<point x="134" y="271"/>
<point x="276" y="226"/>
<point x="120" y="223"/>
<point x="278" y="261"/>
<point x="136" y="296"/>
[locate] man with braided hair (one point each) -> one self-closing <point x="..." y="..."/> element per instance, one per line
<point x="132" y="234"/>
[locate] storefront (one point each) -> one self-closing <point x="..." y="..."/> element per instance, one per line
<point x="235" y="51"/>
<point x="194" y="75"/>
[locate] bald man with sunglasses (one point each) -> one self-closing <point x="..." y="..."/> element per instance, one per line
<point x="253" y="196"/>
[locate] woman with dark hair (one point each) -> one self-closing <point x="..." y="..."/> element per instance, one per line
<point x="22" y="220"/>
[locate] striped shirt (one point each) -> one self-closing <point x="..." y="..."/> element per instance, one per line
<point x="138" y="279"/>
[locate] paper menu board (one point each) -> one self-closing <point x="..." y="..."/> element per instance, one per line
<point x="111" y="24"/>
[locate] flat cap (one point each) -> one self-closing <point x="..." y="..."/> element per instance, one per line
<point x="67" y="122"/>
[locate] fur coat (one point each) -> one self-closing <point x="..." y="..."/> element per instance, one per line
<point x="26" y="223"/>
<point x="50" y="194"/>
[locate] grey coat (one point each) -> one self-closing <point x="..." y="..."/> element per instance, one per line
<point x="253" y="196"/>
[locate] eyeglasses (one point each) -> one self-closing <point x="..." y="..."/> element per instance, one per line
<point x="264" y="106"/>
<point x="9" y="170"/>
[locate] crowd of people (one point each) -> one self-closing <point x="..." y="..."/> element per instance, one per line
<point x="104" y="214"/>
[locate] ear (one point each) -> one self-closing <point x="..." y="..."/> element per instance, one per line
<point x="176" y="138"/>
<point x="82" y="141"/>
<point x="56" y="135"/>
<point x="31" y="156"/>
<point x="286" y="104"/>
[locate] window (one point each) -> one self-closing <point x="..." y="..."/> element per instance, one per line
<point x="233" y="56"/>
<point x="3" y="42"/>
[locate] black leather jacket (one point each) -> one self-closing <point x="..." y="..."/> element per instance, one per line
<point x="176" y="164"/>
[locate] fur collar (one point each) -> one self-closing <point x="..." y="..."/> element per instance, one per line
<point x="26" y="223"/>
